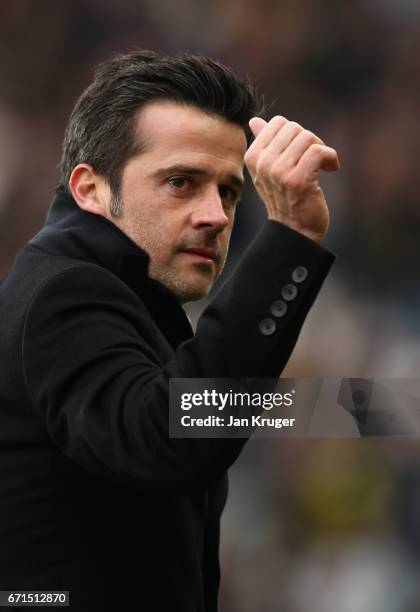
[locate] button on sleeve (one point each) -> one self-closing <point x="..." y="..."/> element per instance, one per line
<point x="278" y="308"/>
<point x="267" y="327"/>
<point x="299" y="274"/>
<point x="289" y="292"/>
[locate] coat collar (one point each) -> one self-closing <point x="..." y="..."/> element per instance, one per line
<point x="71" y="232"/>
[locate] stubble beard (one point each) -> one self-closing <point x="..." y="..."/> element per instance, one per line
<point x="182" y="283"/>
<point x="185" y="286"/>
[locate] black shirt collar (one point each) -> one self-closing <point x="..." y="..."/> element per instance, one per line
<point x="72" y="232"/>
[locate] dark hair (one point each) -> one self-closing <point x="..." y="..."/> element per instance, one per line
<point x="101" y="127"/>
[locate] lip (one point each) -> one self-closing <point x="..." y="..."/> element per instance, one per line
<point x="203" y="252"/>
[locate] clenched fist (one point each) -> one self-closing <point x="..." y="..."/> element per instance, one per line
<point x="283" y="162"/>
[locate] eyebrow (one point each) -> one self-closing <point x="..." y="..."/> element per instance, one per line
<point x="234" y="179"/>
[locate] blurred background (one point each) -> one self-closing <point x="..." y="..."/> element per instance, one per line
<point x="319" y="525"/>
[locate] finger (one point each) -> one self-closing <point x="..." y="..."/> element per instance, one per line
<point x="257" y="124"/>
<point x="298" y="147"/>
<point x="317" y="157"/>
<point x="332" y="163"/>
<point x="283" y="139"/>
<point x="267" y="132"/>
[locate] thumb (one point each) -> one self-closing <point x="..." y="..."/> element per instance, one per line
<point x="257" y="124"/>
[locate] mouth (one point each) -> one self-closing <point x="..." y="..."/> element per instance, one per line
<point x="204" y="254"/>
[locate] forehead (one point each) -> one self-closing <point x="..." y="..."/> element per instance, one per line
<point x="168" y="131"/>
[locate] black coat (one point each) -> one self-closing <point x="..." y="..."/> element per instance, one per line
<point x="95" y="497"/>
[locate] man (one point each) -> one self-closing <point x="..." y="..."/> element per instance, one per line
<point x="96" y="498"/>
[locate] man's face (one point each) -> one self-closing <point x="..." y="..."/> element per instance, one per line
<point x="179" y="195"/>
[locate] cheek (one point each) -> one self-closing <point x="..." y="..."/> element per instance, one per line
<point x="226" y="235"/>
<point x="160" y="237"/>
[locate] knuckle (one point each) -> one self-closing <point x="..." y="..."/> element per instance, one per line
<point x="292" y="182"/>
<point x="316" y="149"/>
<point x="263" y="165"/>
<point x="278" y="120"/>
<point x="295" y="126"/>
<point x="250" y="157"/>
<point x="311" y="137"/>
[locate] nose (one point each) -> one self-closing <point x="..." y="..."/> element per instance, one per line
<point x="209" y="213"/>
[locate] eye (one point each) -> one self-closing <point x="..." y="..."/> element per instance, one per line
<point x="229" y="194"/>
<point x="180" y="183"/>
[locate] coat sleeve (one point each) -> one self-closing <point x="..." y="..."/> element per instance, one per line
<point x="96" y="382"/>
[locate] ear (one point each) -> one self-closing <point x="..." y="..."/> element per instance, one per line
<point x="90" y="191"/>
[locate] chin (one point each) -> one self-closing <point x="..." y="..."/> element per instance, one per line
<point x="188" y="287"/>
<point x="192" y="294"/>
